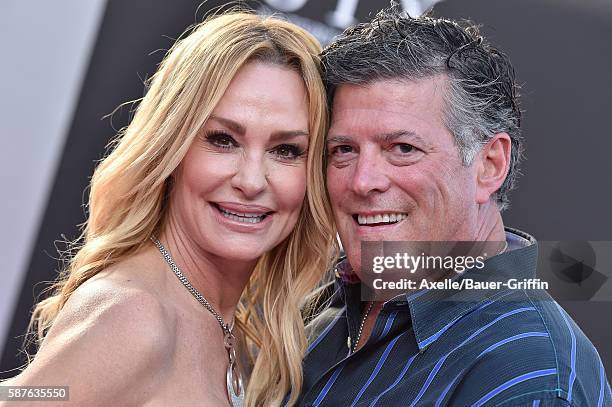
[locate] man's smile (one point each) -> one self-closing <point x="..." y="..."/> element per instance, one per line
<point x="376" y="219"/>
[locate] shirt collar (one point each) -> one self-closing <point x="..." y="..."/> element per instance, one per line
<point x="435" y="311"/>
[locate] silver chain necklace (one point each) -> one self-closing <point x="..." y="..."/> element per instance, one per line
<point x="363" y="320"/>
<point x="369" y="309"/>
<point x="235" y="387"/>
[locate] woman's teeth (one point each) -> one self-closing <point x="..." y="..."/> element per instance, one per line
<point x="382" y="218"/>
<point x="242" y="217"/>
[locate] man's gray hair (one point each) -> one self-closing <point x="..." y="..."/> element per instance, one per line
<point x="481" y="98"/>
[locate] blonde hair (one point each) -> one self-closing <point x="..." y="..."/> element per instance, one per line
<point x="129" y="189"/>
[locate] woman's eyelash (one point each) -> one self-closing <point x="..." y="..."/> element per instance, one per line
<point x="289" y="151"/>
<point x="220" y="139"/>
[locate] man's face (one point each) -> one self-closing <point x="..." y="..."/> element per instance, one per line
<point x="394" y="171"/>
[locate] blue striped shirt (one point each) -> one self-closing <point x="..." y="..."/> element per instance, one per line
<point x="458" y="348"/>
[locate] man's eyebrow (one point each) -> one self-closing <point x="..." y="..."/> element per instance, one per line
<point x="339" y="139"/>
<point x="230" y="124"/>
<point x="384" y="137"/>
<point x="393" y="136"/>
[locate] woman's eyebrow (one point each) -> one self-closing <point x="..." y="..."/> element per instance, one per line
<point x="288" y="134"/>
<point x="230" y="124"/>
<point x="241" y="130"/>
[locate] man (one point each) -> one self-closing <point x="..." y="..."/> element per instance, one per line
<point x="424" y="145"/>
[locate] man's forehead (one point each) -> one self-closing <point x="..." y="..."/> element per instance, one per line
<point x="388" y="106"/>
<point x="402" y="91"/>
<point x="352" y="114"/>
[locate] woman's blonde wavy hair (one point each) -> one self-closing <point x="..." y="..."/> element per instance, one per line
<point x="129" y="189"/>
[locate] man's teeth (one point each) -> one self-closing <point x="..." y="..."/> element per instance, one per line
<point x="242" y="217"/>
<point x="383" y="218"/>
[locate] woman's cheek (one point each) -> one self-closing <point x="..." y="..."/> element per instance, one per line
<point x="289" y="186"/>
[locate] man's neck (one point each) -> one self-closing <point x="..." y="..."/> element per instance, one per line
<point x="490" y="224"/>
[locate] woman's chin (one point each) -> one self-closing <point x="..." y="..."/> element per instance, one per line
<point x="241" y="252"/>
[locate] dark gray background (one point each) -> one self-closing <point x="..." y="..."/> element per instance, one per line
<point x="563" y="60"/>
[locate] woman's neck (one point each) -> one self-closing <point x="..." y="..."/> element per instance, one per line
<point x="219" y="280"/>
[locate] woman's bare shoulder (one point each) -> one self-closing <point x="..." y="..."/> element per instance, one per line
<point x="113" y="337"/>
<point x="121" y="298"/>
<point x="121" y="303"/>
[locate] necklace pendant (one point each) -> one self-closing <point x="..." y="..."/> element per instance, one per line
<point x="229" y="340"/>
<point x="235" y="387"/>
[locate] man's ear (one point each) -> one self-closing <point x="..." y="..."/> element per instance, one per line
<point x="493" y="166"/>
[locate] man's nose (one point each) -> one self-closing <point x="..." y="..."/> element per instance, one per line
<point x="370" y="175"/>
<point x="251" y="176"/>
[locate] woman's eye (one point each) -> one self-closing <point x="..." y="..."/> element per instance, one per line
<point x="221" y="140"/>
<point x="288" y="151"/>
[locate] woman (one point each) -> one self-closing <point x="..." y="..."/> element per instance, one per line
<point x="207" y="184"/>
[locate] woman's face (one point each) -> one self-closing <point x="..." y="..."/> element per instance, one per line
<point x="239" y="190"/>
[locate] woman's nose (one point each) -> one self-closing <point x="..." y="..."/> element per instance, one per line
<point x="251" y="177"/>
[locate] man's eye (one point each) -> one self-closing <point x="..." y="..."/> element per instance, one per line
<point x="289" y="151"/>
<point x="404" y="154"/>
<point x="340" y="150"/>
<point x="404" y="148"/>
<point x="221" y="140"/>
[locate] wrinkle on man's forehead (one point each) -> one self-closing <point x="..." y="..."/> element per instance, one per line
<point x="382" y="124"/>
<point x="392" y="95"/>
<point x="439" y="85"/>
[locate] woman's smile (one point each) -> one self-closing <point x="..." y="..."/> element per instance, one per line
<point x="243" y="218"/>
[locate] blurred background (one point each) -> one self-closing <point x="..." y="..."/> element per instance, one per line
<point x="65" y="66"/>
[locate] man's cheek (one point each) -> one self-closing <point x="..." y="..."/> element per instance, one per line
<point x="338" y="180"/>
<point x="334" y="189"/>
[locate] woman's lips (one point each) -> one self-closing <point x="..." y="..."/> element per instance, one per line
<point x="238" y="208"/>
<point x="243" y="218"/>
